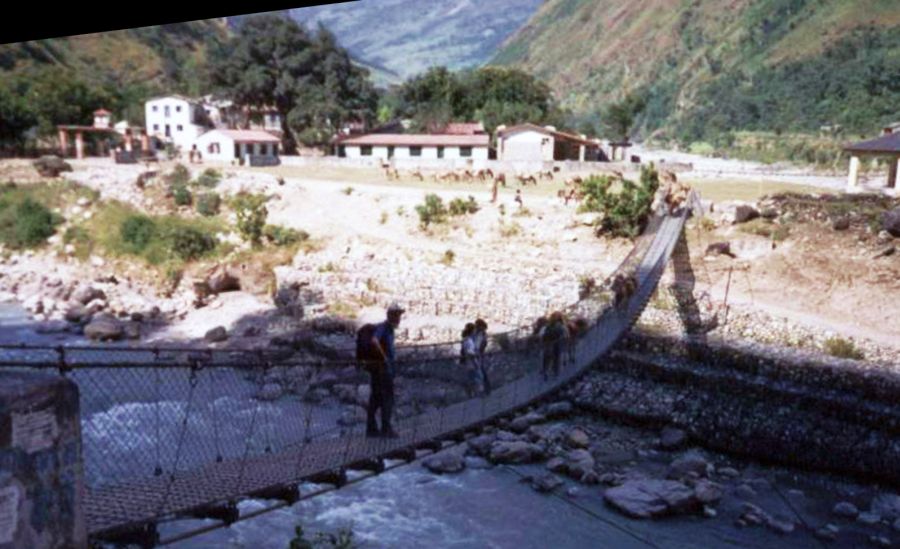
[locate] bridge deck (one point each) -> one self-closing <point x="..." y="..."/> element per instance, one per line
<point x="146" y="500"/>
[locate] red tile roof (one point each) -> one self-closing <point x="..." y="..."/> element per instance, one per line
<point x="464" y="128"/>
<point x="420" y="140"/>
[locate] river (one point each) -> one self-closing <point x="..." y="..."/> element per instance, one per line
<point x="404" y="507"/>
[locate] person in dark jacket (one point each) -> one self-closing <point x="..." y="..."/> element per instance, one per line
<point x="382" y="374"/>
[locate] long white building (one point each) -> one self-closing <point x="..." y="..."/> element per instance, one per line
<point x="176" y="119"/>
<point x="413" y="146"/>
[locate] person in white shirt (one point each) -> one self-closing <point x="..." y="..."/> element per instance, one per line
<point x="468" y="358"/>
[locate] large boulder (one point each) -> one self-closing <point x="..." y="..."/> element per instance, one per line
<point x="744" y="213"/>
<point x="76" y="313"/>
<point x="546" y="483"/>
<point x="559" y="410"/>
<point x="690" y="464"/>
<point x="650" y="498"/>
<point x="51" y="166"/>
<point x="522" y="423"/>
<point x="481" y="445"/>
<point x="270" y="391"/>
<point x="514" y="452"/>
<point x="104" y="328"/>
<point x="222" y="279"/>
<point x="890" y="221"/>
<point x="86" y="294"/>
<point x="217" y="334"/>
<point x="445" y="462"/>
<point x="671" y="438"/>
<point x="577" y="438"/>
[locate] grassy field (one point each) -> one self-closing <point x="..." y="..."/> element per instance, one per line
<point x="736" y="189"/>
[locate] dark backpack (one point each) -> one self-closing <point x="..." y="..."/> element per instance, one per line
<point x="365" y="351"/>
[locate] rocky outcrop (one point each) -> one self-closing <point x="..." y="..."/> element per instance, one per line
<point x="104" y="328"/>
<point x="890" y="222"/>
<point x="445" y="462"/>
<point x="216" y="335"/>
<point x="51" y="166"/>
<point x="651" y="498"/>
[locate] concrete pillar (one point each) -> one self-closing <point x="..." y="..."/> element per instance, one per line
<point x="79" y="145"/>
<point x="581" y="153"/>
<point x="63" y="143"/>
<point x="41" y="470"/>
<point x="853" y="176"/>
<point x="892" y="173"/>
<point x="128" y="141"/>
<point x="145" y="142"/>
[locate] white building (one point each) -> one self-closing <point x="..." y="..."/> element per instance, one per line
<point x="413" y="146"/>
<point x="241" y="145"/>
<point x="176" y="119"/>
<point x="532" y="143"/>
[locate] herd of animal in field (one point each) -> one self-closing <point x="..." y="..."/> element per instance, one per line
<point x="671" y="193"/>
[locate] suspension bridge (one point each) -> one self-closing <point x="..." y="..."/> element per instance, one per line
<point x="173" y="434"/>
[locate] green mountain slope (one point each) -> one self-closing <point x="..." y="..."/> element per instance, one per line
<point x="716" y="65"/>
<point x="402" y="38"/>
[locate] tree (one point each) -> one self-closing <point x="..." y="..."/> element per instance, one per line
<point x="491" y="95"/>
<point x="16" y="117"/>
<point x="619" y="117"/>
<point x="308" y="78"/>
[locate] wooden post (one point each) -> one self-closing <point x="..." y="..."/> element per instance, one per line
<point x="63" y="142"/>
<point x="892" y="173"/>
<point x="79" y="145"/>
<point x="853" y="176"/>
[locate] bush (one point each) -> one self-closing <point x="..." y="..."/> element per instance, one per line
<point x="208" y="204"/>
<point x="458" y="206"/>
<point x="179" y="176"/>
<point x="625" y="213"/>
<point x="586" y="285"/>
<point x="283" y="236"/>
<point x="383" y="219"/>
<point x="448" y="258"/>
<point x="209" y="178"/>
<point x="510" y="229"/>
<point x="189" y="243"/>
<point x="348" y="191"/>
<point x="432" y="211"/>
<point x="843" y="348"/>
<point x="251" y="216"/>
<point x="26" y="224"/>
<point x="137" y="231"/>
<point x="181" y="195"/>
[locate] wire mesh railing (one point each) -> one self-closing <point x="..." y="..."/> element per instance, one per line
<point x="166" y="430"/>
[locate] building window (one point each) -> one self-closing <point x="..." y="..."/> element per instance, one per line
<point x="390" y="151"/>
<point x="155" y="108"/>
<point x="156" y="127"/>
<point x="415" y="151"/>
<point x="465" y="152"/>
<point x="177" y="108"/>
<point x="365" y="150"/>
<point x="167" y="110"/>
<point x="440" y="152"/>
<point x="213" y="148"/>
<point x="179" y="127"/>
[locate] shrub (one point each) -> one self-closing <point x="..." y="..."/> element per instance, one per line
<point x="251" y="216"/>
<point x="448" y="258"/>
<point x="843" y="348"/>
<point x="348" y="191"/>
<point x="401" y="211"/>
<point x="208" y="204"/>
<point x="586" y="285"/>
<point x="510" y="229"/>
<point x="284" y="236"/>
<point x="137" y="231"/>
<point x="432" y="211"/>
<point x="458" y="206"/>
<point x="625" y="213"/>
<point x="80" y="239"/>
<point x="189" y="243"/>
<point x="26" y="224"/>
<point x="181" y="195"/>
<point x="179" y="176"/>
<point x="209" y="178"/>
<point x="383" y="219"/>
<point x="328" y="268"/>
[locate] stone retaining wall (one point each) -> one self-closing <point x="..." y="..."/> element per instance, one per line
<point x="771" y="404"/>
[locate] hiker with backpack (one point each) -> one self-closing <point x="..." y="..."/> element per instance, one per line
<point x="375" y="352"/>
<point x="554" y="337"/>
<point x="480" y="337"/>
